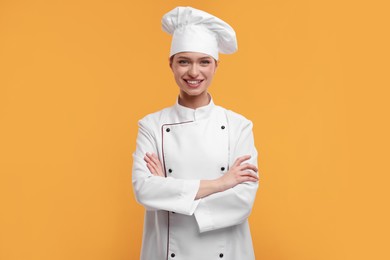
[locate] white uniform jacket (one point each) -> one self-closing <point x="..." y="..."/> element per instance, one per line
<point x="194" y="144"/>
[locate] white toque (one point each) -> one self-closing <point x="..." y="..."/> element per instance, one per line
<point x="194" y="30"/>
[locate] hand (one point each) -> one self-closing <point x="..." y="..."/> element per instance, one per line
<point x="154" y="165"/>
<point x="239" y="172"/>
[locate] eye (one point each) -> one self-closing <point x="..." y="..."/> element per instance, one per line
<point x="182" y="62"/>
<point x="205" y="62"/>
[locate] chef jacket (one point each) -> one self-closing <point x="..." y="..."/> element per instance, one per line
<point x="194" y="144"/>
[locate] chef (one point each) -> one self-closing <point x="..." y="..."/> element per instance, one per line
<point x="195" y="163"/>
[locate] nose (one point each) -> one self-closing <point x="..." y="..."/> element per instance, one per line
<point x="193" y="71"/>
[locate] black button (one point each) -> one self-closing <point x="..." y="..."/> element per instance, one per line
<point x="170" y="170"/>
<point x="173" y="255"/>
<point x="220" y="255"/>
<point x="168" y="130"/>
<point x="222" y="168"/>
<point x="222" y="127"/>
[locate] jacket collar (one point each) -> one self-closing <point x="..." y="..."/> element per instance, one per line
<point x="190" y="114"/>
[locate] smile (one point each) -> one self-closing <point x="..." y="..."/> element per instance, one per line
<point x="193" y="83"/>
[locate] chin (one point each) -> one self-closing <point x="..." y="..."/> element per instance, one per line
<point x="194" y="93"/>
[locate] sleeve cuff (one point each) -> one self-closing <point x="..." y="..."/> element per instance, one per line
<point x="204" y="217"/>
<point x="187" y="197"/>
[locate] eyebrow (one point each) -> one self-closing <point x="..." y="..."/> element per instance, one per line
<point x="183" y="57"/>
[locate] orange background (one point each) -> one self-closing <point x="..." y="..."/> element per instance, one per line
<point x="77" y="75"/>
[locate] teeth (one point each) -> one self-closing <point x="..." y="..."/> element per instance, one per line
<point x="193" y="81"/>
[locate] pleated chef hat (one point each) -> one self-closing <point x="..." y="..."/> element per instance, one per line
<point x="197" y="31"/>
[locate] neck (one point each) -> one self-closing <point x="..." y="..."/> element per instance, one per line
<point x="194" y="101"/>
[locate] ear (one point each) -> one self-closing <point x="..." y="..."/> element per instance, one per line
<point x="170" y="62"/>
<point x="216" y="65"/>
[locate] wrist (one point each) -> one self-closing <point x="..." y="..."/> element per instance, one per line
<point x="219" y="185"/>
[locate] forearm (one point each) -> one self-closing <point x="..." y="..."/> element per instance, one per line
<point x="169" y="194"/>
<point x="239" y="173"/>
<point x="223" y="209"/>
<point x="208" y="187"/>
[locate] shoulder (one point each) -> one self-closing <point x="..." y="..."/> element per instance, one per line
<point x="153" y="120"/>
<point x="237" y="120"/>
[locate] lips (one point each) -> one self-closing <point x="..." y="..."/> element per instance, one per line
<point x="193" y="83"/>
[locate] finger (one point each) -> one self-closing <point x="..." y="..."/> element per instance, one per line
<point x="249" y="174"/>
<point x="148" y="155"/>
<point x="251" y="179"/>
<point x="248" y="178"/>
<point x="156" y="162"/>
<point x="150" y="161"/>
<point x="155" y="171"/>
<point x="241" y="159"/>
<point x="152" y="156"/>
<point x="151" y="169"/>
<point x="248" y="166"/>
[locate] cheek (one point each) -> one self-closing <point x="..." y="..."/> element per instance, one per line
<point x="210" y="71"/>
<point x="177" y="75"/>
<point x="177" y="71"/>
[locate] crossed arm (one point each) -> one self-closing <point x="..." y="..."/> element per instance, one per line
<point x="239" y="172"/>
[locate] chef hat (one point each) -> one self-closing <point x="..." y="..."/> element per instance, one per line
<point x="197" y="31"/>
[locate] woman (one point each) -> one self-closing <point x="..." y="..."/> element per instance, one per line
<point x="194" y="167"/>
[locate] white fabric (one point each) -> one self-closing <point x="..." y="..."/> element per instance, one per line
<point x="194" y="30"/>
<point x="195" y="147"/>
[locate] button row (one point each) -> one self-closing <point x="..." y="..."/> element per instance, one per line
<point x="168" y="129"/>
<point x="170" y="170"/>
<point x="173" y="255"/>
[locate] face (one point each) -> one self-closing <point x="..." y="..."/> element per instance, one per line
<point x="193" y="72"/>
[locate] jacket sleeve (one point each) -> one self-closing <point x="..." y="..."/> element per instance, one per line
<point x="159" y="193"/>
<point x="233" y="206"/>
